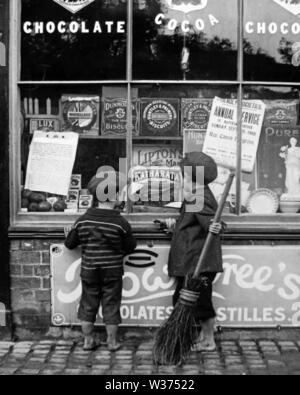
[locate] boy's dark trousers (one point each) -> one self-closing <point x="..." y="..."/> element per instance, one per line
<point x="101" y="286"/>
<point x="204" y="309"/>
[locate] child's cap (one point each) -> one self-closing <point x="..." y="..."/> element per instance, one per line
<point x="194" y="159"/>
<point x="118" y="182"/>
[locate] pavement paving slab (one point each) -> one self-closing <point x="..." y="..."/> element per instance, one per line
<point x="50" y="357"/>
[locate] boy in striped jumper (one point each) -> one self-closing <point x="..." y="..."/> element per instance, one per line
<point x="105" y="238"/>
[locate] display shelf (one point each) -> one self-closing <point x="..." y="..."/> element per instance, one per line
<point x="139" y="138"/>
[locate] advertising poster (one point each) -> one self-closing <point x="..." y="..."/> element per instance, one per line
<point x="250" y="293"/>
<point x="80" y="114"/>
<point x="51" y="161"/>
<point x="157" y="155"/>
<point x="160" y="117"/>
<point x="193" y="140"/>
<point x="221" y="138"/>
<point x="46" y="124"/>
<point x="280" y="126"/>
<point x="160" y="184"/>
<point x="195" y="115"/>
<point x="114" y="117"/>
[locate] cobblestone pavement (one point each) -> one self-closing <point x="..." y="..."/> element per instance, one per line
<point x="49" y="357"/>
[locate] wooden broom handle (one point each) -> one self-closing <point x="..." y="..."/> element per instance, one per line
<point x="217" y="219"/>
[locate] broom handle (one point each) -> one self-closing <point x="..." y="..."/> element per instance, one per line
<point x="217" y="219"/>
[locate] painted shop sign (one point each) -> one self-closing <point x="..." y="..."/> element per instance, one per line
<point x="74" y="26"/>
<point x="286" y="27"/>
<point x="159" y="117"/>
<point x="292" y="6"/>
<point x="185" y="16"/>
<point x="114" y="117"/>
<point x="259" y="288"/>
<point x="75" y="5"/>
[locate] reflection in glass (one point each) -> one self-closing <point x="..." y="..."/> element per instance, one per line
<point x="72" y="109"/>
<point x="87" y="49"/>
<point x="185" y="40"/>
<point x="272" y="44"/>
<point x="173" y="121"/>
<point x="278" y="158"/>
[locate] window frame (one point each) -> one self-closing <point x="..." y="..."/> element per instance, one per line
<point x="237" y="223"/>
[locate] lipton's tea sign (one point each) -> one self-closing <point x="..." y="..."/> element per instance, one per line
<point x="178" y="16"/>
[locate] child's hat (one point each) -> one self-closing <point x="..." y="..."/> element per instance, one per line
<point x="194" y="159"/>
<point x="118" y="182"/>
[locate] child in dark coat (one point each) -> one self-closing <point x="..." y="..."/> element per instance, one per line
<point x="188" y="240"/>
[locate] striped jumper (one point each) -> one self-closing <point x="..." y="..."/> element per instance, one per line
<point x="105" y="238"/>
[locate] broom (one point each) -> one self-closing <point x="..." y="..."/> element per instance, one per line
<point x="176" y="337"/>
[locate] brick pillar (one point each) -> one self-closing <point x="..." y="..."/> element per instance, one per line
<point x="30" y="284"/>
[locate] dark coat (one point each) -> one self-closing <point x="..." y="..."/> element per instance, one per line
<point x="189" y="238"/>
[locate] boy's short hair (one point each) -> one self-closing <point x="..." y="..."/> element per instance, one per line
<point x="113" y="183"/>
<point x="199" y="159"/>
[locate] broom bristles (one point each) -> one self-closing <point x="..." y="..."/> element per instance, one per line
<point x="176" y="337"/>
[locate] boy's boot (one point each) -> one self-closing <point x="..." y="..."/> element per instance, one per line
<point x="88" y="333"/>
<point x="112" y="342"/>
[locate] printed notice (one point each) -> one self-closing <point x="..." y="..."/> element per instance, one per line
<point x="221" y="138"/>
<point x="50" y="163"/>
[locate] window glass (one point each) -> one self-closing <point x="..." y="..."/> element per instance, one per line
<point x="185" y="39"/>
<point x="276" y="180"/>
<point x="272" y="43"/>
<point x="60" y="45"/>
<point x="87" y="110"/>
<point x="173" y="121"/>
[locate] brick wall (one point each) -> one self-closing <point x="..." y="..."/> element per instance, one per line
<point x="30" y="284"/>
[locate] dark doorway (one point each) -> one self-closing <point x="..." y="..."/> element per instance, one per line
<point x="5" y="324"/>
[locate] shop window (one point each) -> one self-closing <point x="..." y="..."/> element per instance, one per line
<point x="184" y="62"/>
<point x="173" y="121"/>
<point x="275" y="186"/>
<point x="60" y="45"/>
<point x="178" y="40"/>
<point x="271" y="40"/>
<point x="83" y="110"/>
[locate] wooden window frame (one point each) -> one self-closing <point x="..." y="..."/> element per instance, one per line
<point x="277" y="223"/>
